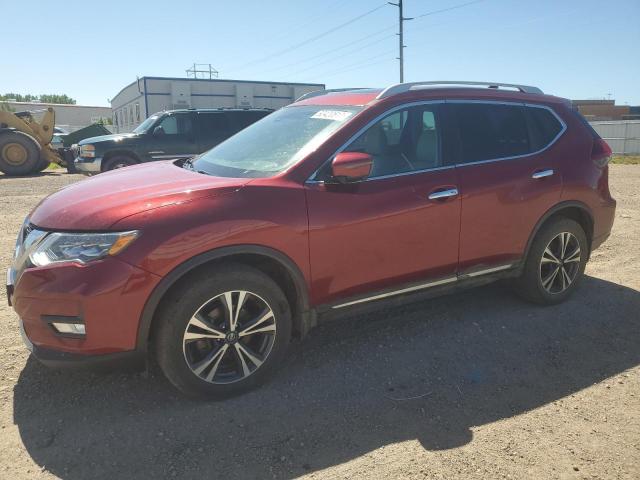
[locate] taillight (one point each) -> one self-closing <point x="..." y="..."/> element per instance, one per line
<point x="601" y="152"/>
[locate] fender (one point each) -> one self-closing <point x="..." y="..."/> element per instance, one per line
<point x="549" y="213"/>
<point x="307" y="317"/>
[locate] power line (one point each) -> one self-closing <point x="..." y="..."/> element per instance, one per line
<point x="333" y="50"/>
<point x="312" y="39"/>
<point x="286" y="30"/>
<point x="357" y="67"/>
<point x="333" y="59"/>
<point x="402" y="19"/>
<point x="350" y="66"/>
<point x="447" y="9"/>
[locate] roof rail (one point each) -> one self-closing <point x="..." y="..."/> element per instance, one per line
<point x="317" y="93"/>
<point x="405" y="87"/>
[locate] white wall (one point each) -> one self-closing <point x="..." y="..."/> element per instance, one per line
<point x="623" y="136"/>
<point x="174" y="93"/>
<point x="69" y="117"/>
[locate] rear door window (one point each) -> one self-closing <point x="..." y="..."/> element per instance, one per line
<point x="214" y="125"/>
<point x="490" y="131"/>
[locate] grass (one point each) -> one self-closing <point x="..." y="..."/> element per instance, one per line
<point x="626" y="159"/>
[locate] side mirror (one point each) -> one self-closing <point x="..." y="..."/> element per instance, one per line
<point x="349" y="167"/>
<point x="158" y="131"/>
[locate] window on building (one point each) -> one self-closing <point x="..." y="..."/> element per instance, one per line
<point x="137" y="112"/>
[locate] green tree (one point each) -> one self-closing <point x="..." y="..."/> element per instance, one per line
<point x="44" y="98"/>
<point x="56" y="98"/>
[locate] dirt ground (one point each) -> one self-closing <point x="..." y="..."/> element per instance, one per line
<point x="478" y="385"/>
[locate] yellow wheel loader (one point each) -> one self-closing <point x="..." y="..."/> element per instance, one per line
<point x="24" y="142"/>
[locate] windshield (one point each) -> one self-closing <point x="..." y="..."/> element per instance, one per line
<point x="274" y="143"/>
<point x="146" y="125"/>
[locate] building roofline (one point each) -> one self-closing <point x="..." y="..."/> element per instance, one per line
<point x="223" y="80"/>
<point x="227" y="80"/>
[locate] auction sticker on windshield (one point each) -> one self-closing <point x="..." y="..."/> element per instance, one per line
<point x="335" y="115"/>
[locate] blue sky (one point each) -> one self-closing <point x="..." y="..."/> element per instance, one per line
<point x="90" y="50"/>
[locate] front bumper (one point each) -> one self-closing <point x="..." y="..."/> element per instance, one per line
<point x="134" y="359"/>
<point x="107" y="296"/>
<point x="88" y="165"/>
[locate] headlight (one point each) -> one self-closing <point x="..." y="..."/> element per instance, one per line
<point x="88" y="151"/>
<point x="79" y="247"/>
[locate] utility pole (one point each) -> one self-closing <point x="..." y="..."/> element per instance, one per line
<point x="401" y="45"/>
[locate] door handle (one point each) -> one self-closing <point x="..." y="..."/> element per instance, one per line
<point x="542" y="174"/>
<point x="440" y="194"/>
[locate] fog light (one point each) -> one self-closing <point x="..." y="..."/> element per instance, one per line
<point x="70" y="328"/>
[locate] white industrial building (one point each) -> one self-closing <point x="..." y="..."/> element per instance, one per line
<point x="148" y="95"/>
<point x="69" y="117"/>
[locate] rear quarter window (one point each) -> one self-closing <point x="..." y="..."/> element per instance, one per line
<point x="544" y="127"/>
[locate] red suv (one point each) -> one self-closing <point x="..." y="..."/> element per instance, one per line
<point x="344" y="199"/>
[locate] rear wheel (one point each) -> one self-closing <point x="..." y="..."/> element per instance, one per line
<point x="119" y="161"/>
<point x="19" y="155"/>
<point x="555" y="264"/>
<point x="223" y="333"/>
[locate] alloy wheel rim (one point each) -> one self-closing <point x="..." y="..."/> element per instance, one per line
<point x="560" y="263"/>
<point x="229" y="337"/>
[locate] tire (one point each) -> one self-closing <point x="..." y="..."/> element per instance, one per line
<point x="119" y="161"/>
<point x="19" y="155"/>
<point x="183" y="351"/>
<point x="549" y="276"/>
<point x="42" y="165"/>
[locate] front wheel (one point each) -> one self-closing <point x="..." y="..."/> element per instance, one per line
<point x="117" y="162"/>
<point x="555" y="264"/>
<point x="223" y="332"/>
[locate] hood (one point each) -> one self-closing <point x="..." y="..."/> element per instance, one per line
<point x="98" y="202"/>
<point x="114" y="137"/>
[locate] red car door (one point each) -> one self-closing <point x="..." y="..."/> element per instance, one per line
<point x="400" y="225"/>
<point x="508" y="178"/>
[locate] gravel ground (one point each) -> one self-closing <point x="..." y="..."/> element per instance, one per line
<point x="476" y="385"/>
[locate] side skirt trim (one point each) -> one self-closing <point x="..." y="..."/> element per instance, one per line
<point x="423" y="286"/>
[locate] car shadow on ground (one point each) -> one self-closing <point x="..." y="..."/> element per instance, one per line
<point x="468" y="359"/>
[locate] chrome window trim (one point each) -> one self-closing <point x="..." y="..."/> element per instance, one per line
<point x="312" y="180"/>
